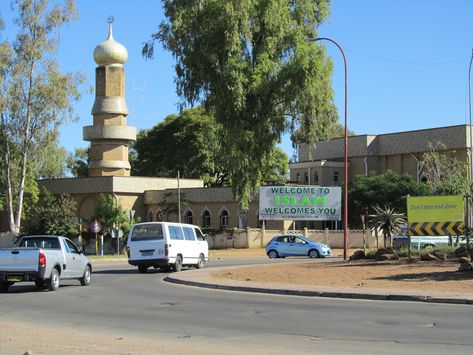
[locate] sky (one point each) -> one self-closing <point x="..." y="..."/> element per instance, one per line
<point x="407" y="62"/>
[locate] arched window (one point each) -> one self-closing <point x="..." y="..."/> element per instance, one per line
<point x="189" y="217"/>
<point x="206" y="219"/>
<point x="336" y="177"/>
<point x="316" y="178"/>
<point x="150" y="216"/>
<point x="298" y="177"/>
<point x="306" y="178"/>
<point x="159" y="216"/>
<point x="224" y="220"/>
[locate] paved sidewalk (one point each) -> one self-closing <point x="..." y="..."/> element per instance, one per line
<point x="203" y="278"/>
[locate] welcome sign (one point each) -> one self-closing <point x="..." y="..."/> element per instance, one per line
<point x="317" y="203"/>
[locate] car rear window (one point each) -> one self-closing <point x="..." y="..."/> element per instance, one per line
<point x="147" y="232"/>
<point x="40" y="242"/>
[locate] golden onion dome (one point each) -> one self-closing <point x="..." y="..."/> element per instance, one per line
<point x="110" y="52"/>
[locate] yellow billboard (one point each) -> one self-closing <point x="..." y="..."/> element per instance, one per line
<point x="435" y="209"/>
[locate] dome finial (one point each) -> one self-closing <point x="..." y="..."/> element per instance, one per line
<point x="110" y="52"/>
<point x="110" y="20"/>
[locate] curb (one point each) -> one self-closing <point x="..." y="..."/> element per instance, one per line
<point x="346" y="295"/>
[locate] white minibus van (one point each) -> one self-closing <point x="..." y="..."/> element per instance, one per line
<point x="166" y="245"/>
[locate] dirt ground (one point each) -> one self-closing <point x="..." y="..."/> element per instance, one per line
<point x="402" y="277"/>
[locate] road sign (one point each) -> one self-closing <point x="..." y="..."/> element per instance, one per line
<point x="362" y="216"/>
<point x="436" y="228"/>
<point x="95" y="226"/>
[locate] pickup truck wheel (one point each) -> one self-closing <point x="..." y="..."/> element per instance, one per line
<point x="53" y="284"/>
<point x="201" y="262"/>
<point x="85" y="280"/>
<point x="178" y="264"/>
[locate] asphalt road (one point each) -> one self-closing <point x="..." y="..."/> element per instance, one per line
<point x="124" y="302"/>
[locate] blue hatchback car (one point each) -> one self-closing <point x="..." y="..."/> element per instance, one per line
<point x="296" y="245"/>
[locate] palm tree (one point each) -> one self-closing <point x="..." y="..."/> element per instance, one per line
<point x="388" y="221"/>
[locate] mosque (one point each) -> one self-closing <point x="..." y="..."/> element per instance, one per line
<point x="215" y="208"/>
<point x="109" y="168"/>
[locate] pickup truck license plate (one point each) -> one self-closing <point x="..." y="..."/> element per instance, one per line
<point x="14" y="278"/>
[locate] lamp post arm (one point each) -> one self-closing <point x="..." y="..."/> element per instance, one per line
<point x="345" y="192"/>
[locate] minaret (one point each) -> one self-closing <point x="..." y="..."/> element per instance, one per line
<point x="109" y="136"/>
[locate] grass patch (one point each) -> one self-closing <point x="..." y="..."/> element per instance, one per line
<point x="106" y="257"/>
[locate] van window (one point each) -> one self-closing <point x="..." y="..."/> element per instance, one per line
<point x="188" y="233"/>
<point x="199" y="234"/>
<point x="147" y="232"/>
<point x="176" y="233"/>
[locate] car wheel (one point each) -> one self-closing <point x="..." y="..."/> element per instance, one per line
<point x="273" y="254"/>
<point x="85" y="280"/>
<point x="53" y="283"/>
<point x="314" y="253"/>
<point x="4" y="286"/>
<point x="142" y="268"/>
<point x="178" y="264"/>
<point x="201" y="262"/>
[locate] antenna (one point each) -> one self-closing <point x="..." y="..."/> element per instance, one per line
<point x="142" y="90"/>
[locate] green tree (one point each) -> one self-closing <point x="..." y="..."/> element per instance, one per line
<point x="77" y="164"/>
<point x="35" y="97"/>
<point x="388" y="221"/>
<point x="388" y="189"/>
<point x="54" y="215"/>
<point x="189" y="143"/>
<point x="111" y="214"/>
<point x="251" y="63"/>
<point x="275" y="168"/>
<point x="443" y="173"/>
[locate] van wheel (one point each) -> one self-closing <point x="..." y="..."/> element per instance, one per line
<point x="142" y="268"/>
<point x="178" y="264"/>
<point x="201" y="262"/>
<point x="53" y="283"/>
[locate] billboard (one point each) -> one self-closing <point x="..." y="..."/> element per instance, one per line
<point x="435" y="215"/>
<point x="435" y="209"/>
<point x="318" y="203"/>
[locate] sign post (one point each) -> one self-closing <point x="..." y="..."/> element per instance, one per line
<point x="363" y="216"/>
<point x="96" y="227"/>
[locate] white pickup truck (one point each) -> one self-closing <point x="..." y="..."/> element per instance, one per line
<point x="45" y="260"/>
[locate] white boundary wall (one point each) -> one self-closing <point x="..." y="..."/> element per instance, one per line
<point x="258" y="238"/>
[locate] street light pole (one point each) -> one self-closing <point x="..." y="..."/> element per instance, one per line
<point x="469" y="111"/>
<point x="345" y="164"/>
